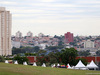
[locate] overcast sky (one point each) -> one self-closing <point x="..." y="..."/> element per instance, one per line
<point x="54" y="17"/>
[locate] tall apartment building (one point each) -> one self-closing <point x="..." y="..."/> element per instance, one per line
<point x="18" y="34"/>
<point x="30" y="34"/>
<point x="5" y="32"/>
<point x="68" y="37"/>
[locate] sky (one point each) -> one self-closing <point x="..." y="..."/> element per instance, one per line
<point x="54" y="17"/>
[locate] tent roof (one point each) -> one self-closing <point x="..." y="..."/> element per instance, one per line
<point x="58" y="64"/>
<point x="92" y="65"/>
<point x="80" y="65"/>
<point x="43" y="65"/>
<point x="6" y="61"/>
<point x="69" y="67"/>
<point x="15" y="62"/>
<point x="34" y="64"/>
<point x="24" y="63"/>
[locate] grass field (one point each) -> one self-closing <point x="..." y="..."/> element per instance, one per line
<point x="12" y="69"/>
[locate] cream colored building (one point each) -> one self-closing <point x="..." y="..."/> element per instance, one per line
<point x="88" y="44"/>
<point x="18" y="34"/>
<point x="30" y="34"/>
<point x="5" y="32"/>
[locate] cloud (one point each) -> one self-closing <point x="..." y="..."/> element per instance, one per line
<point x="75" y="11"/>
<point x="47" y="0"/>
<point x="27" y="11"/>
<point x="88" y="2"/>
<point x="49" y="15"/>
<point x="78" y="26"/>
<point x="53" y="4"/>
<point x="8" y="3"/>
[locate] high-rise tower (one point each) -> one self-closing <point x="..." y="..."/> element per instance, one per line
<point x="68" y="37"/>
<point x="5" y="32"/>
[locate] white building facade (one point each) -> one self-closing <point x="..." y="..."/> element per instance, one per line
<point x="16" y="44"/>
<point x="18" y="34"/>
<point x="30" y="34"/>
<point x="88" y="44"/>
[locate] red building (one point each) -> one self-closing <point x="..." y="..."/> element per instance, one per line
<point x="96" y="59"/>
<point x="68" y="37"/>
<point x="89" y="59"/>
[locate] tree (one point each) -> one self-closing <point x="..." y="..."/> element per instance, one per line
<point x="21" y="59"/>
<point x="30" y="54"/>
<point x="52" y="57"/>
<point x="36" y="49"/>
<point x="2" y="59"/>
<point x="68" y="55"/>
<point x="53" y="48"/>
<point x="41" y="53"/>
<point x="98" y="53"/>
<point x="42" y="59"/>
<point x="25" y="50"/>
<point x="84" y="53"/>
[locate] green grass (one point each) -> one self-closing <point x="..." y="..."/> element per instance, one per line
<point x="11" y="69"/>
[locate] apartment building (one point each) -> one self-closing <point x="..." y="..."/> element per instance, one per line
<point x="5" y="32"/>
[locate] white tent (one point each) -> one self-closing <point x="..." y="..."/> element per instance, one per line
<point x="92" y="65"/>
<point x="24" y="63"/>
<point x="80" y="65"/>
<point x="34" y="64"/>
<point x="69" y="67"/>
<point x="6" y="61"/>
<point x="53" y="65"/>
<point x="43" y="65"/>
<point x="15" y="62"/>
<point x="73" y="67"/>
<point x="58" y="65"/>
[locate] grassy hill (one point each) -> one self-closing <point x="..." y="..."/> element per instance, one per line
<point x="11" y="69"/>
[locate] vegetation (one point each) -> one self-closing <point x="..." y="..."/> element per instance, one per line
<point x="30" y="54"/>
<point x="12" y="69"/>
<point x="68" y="55"/>
<point x="84" y="53"/>
<point x="54" y="47"/>
<point x="2" y="59"/>
<point x="65" y="56"/>
<point x="21" y="59"/>
<point x="25" y="50"/>
<point x="41" y="53"/>
<point x="49" y="59"/>
<point x="98" y="53"/>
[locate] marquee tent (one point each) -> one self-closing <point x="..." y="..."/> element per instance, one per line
<point x="43" y="65"/>
<point x="15" y="62"/>
<point x="34" y="64"/>
<point x="92" y="65"/>
<point x="24" y="63"/>
<point x="80" y="65"/>
<point x="69" y="67"/>
<point x="53" y="65"/>
<point x="58" y="65"/>
<point x="6" y="61"/>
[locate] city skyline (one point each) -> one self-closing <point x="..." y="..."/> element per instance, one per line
<point x="54" y="17"/>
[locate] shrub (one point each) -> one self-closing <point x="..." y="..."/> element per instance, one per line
<point x="2" y="59"/>
<point x="21" y="59"/>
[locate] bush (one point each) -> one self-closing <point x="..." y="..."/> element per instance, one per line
<point x="2" y="59"/>
<point x="21" y="59"/>
<point x="48" y="64"/>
